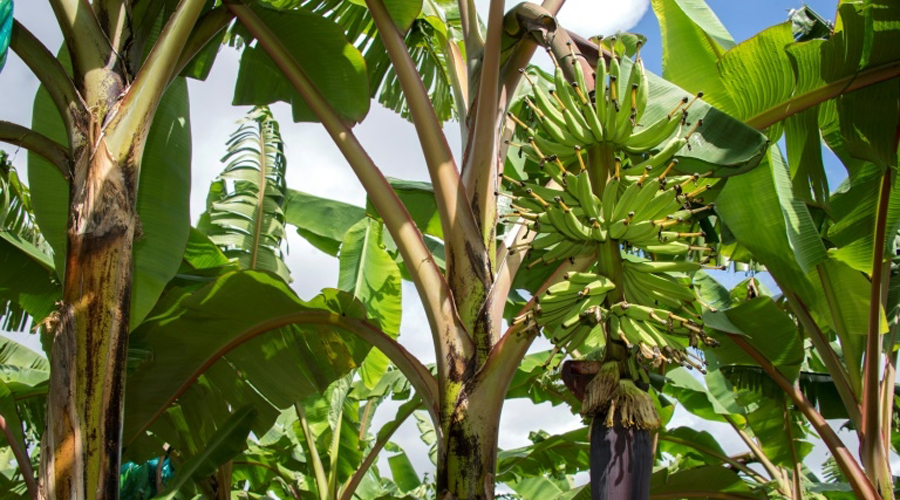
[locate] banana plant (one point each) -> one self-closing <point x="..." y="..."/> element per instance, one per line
<point x="465" y="290"/>
<point x="835" y="258"/>
<point x="109" y="162"/>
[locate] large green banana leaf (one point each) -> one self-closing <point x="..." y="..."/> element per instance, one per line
<point x="566" y="453"/>
<point x="319" y="46"/>
<point x="27" y="282"/>
<point x="429" y="29"/>
<point x="229" y="331"/>
<point x="701" y="483"/>
<point x="767" y="327"/>
<point x="325" y="223"/>
<point x="693" y="41"/>
<point x="369" y="273"/>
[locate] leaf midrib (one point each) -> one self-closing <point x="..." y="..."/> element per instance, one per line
<point x="806" y="100"/>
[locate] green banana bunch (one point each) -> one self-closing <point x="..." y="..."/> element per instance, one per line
<point x="608" y="179"/>
<point x="569" y="219"/>
<point x="569" y="116"/>
<point x="579" y="296"/>
<point x="649" y="212"/>
<point x="660" y="335"/>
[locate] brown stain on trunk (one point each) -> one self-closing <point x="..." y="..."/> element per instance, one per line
<point x="88" y="355"/>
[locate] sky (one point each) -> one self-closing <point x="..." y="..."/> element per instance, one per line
<point x="316" y="166"/>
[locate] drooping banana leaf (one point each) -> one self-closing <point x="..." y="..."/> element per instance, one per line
<point x="770" y="76"/>
<point x="245" y="215"/>
<point x="324" y="223"/>
<point x="429" y="29"/>
<point x="702" y="483"/>
<point x="25" y="374"/>
<point x="693" y="41"/>
<point x="319" y="46"/>
<point x="768" y="328"/>
<point x="200" y="346"/>
<point x="566" y="453"/>
<point x="28" y="290"/>
<point x="228" y="441"/>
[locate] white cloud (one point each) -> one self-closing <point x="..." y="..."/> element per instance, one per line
<point x="589" y="17"/>
<point x="601" y="17"/>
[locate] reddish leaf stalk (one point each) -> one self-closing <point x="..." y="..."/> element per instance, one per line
<point x="874" y="456"/>
<point x="21" y="458"/>
<point x="849" y="466"/>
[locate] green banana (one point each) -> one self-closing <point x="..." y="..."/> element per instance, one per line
<point x="550" y="147"/>
<point x="546" y="240"/>
<point x="664" y="154"/>
<point x="617" y="229"/>
<point x="664" y="203"/>
<point x="648" y="192"/>
<point x="640" y="231"/>
<point x="546" y="104"/>
<point x="586" y="196"/>
<point x="651" y="135"/>
<point x="610" y="199"/>
<point x="624" y="205"/>
<point x="670" y="248"/>
<point x="643" y="89"/>
<point x="576" y="226"/>
<point x="663" y="284"/>
<point x="656" y="266"/>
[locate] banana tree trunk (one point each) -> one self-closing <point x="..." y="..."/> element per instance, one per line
<point x="81" y="448"/>
<point x="467" y="459"/>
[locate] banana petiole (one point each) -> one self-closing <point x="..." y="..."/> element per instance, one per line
<point x="634" y="89"/>
<point x="520" y="123"/>
<point x="664" y="223"/>
<point x="647" y="170"/>
<point x="668" y="169"/>
<point x="513" y="181"/>
<point x="534" y="109"/>
<point x="535" y="146"/>
<point x="557" y="99"/>
<point x="694" y="193"/>
<point x="681" y="103"/>
<point x="696" y="126"/>
<point x="527" y="76"/>
<point x="580" y="94"/>
<point x="580" y="159"/>
<point x="698" y="96"/>
<point x="694" y="178"/>
<point x="701" y="209"/>
<point x="537" y="198"/>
